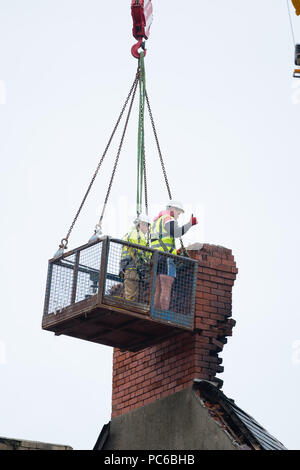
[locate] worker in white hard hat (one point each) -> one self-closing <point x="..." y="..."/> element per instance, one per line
<point x="135" y="262"/>
<point x="164" y="231"/>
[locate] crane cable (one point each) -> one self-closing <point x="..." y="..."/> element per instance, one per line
<point x="291" y="22"/>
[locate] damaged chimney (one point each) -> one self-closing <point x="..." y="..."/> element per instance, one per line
<point x="142" y="377"/>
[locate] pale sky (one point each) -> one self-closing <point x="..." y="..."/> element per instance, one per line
<point x="219" y="77"/>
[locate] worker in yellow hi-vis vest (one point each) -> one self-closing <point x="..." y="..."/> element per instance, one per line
<point x="134" y="262"/>
<point x="163" y="232"/>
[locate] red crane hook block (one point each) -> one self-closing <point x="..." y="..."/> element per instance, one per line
<point x="142" y="15"/>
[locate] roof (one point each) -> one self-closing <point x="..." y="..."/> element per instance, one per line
<point x="245" y="429"/>
<point x="22" y="444"/>
<point x="245" y="432"/>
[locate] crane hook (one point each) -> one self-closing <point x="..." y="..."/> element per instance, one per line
<point x="135" y="48"/>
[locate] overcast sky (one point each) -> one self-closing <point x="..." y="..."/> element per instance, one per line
<point x="219" y="76"/>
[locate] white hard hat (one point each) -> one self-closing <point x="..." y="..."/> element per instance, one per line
<point x="142" y="218"/>
<point x="175" y="205"/>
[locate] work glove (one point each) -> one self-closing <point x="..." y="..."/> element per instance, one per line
<point x="193" y="220"/>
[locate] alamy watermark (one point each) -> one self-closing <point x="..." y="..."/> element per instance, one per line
<point x="2" y="92"/>
<point x="296" y="352"/>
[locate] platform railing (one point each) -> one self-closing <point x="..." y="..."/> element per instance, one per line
<point x="133" y="277"/>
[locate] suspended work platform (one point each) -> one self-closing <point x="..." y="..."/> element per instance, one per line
<point x="87" y="296"/>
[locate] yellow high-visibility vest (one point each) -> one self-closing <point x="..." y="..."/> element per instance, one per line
<point x="160" y="238"/>
<point x="134" y="256"/>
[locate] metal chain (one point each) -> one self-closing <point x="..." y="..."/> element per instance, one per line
<point x="158" y="147"/>
<point x="119" y="150"/>
<point x="64" y="242"/>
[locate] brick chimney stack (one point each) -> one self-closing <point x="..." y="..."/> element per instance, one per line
<point x="142" y="377"/>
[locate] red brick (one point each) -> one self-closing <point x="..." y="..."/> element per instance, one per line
<point x="200" y="325"/>
<point x="217" y="280"/>
<point x="205" y="295"/>
<point x="210" y="271"/>
<point x="203" y="277"/>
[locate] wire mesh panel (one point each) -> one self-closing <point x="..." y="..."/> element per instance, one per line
<point x="128" y="273"/>
<point x="88" y="272"/>
<point x="60" y="284"/>
<point x="174" y="290"/>
<point x="73" y="278"/>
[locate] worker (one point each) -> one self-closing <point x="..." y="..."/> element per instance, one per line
<point x="164" y="231"/>
<point x="134" y="262"/>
